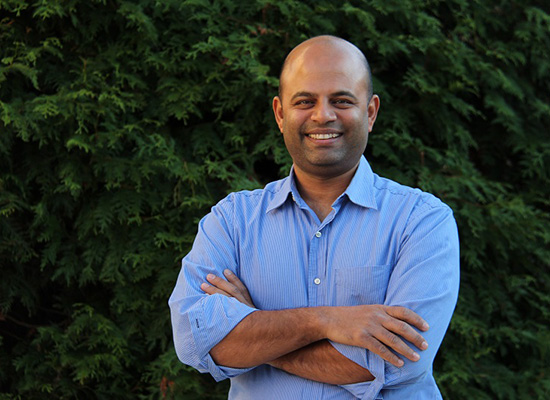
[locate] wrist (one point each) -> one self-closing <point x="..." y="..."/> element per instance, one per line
<point x="322" y="325"/>
<point x="318" y="321"/>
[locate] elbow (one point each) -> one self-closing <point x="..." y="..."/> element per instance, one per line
<point x="412" y="372"/>
<point x="416" y="372"/>
<point x="187" y="354"/>
<point x="184" y="343"/>
<point x="223" y="356"/>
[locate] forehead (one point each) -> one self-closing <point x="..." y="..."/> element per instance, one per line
<point x="324" y="69"/>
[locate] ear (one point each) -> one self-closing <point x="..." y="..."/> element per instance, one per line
<point x="278" y="111"/>
<point x="372" y="110"/>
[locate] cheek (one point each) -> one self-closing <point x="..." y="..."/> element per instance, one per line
<point x="294" y="120"/>
<point x="288" y="127"/>
<point x="360" y="125"/>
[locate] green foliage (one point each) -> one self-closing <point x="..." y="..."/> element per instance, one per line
<point x="122" y="122"/>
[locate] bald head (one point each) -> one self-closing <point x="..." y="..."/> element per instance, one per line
<point x="325" y="48"/>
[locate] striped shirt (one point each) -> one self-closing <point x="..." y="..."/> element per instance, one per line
<point x="382" y="243"/>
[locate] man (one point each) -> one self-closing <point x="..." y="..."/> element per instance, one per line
<point x="332" y="274"/>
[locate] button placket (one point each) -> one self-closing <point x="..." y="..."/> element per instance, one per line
<point x="316" y="280"/>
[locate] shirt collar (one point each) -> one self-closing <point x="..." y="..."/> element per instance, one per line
<point x="360" y="190"/>
<point x="283" y="193"/>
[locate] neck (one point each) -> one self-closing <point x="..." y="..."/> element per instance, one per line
<point x="320" y="192"/>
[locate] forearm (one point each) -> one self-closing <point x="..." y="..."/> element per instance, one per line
<point x="266" y="335"/>
<point x="263" y="336"/>
<point x="321" y="362"/>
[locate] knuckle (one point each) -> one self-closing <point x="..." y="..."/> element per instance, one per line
<point x="364" y="337"/>
<point x="234" y="291"/>
<point x="404" y="312"/>
<point x="358" y="336"/>
<point x="378" y="346"/>
<point x="239" y="287"/>
<point x="394" y="340"/>
<point x="402" y="327"/>
<point x="381" y="349"/>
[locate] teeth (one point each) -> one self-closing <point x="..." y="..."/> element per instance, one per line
<point x="322" y="136"/>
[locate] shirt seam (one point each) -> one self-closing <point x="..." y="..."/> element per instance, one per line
<point x="425" y="207"/>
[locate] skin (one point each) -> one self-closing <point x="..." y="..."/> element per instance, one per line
<point x="317" y="361"/>
<point x="324" y="91"/>
<point x="263" y="337"/>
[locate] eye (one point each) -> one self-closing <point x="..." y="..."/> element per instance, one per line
<point x="342" y="103"/>
<point x="304" y="103"/>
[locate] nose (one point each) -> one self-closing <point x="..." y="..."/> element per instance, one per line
<point x="323" y="112"/>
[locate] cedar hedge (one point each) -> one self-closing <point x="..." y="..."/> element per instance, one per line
<point x="123" y="122"/>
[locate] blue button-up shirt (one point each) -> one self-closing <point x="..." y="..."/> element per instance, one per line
<point x="382" y="243"/>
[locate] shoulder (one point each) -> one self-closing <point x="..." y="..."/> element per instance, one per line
<point x="252" y="199"/>
<point x="389" y="193"/>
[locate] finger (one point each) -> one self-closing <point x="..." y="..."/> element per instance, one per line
<point x="379" y="348"/>
<point x="209" y="289"/>
<point x="406" y="331"/>
<point x="397" y="344"/>
<point x="220" y="283"/>
<point x="408" y="316"/>
<point x="232" y="278"/>
<point x="226" y="286"/>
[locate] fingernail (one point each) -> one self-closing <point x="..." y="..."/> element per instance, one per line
<point x="210" y="276"/>
<point x="416" y="356"/>
<point x="425" y="326"/>
<point x="205" y="285"/>
<point x="228" y="272"/>
<point x="400" y="363"/>
<point x="424" y="345"/>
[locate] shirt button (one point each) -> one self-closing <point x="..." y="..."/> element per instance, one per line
<point x="318" y="234"/>
<point x="317" y="281"/>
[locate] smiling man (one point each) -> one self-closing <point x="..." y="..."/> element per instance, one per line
<point x="339" y="284"/>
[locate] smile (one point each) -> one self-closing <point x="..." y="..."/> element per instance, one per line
<point x="323" y="136"/>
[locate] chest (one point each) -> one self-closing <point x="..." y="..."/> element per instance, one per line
<point x="291" y="260"/>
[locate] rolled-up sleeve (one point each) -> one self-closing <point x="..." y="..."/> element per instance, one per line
<point x="200" y="321"/>
<point x="425" y="279"/>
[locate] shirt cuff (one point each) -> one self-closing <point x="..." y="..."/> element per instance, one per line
<point x="369" y="390"/>
<point x="210" y="323"/>
<point x="219" y="372"/>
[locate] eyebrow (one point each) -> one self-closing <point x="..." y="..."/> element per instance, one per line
<point x="302" y="94"/>
<point x="344" y="93"/>
<point x="336" y="94"/>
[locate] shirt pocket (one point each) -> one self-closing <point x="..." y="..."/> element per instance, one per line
<point x="361" y="285"/>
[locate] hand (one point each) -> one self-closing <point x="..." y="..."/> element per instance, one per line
<point x="232" y="287"/>
<point x="377" y="328"/>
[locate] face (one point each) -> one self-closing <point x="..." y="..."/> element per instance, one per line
<point x="323" y="112"/>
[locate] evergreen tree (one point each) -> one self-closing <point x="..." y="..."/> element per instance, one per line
<point x="123" y="122"/>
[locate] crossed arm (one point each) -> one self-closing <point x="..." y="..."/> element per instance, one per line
<point x="296" y="340"/>
<point x="300" y="340"/>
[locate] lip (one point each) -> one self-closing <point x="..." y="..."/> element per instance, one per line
<point x="323" y="134"/>
<point x="318" y="131"/>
